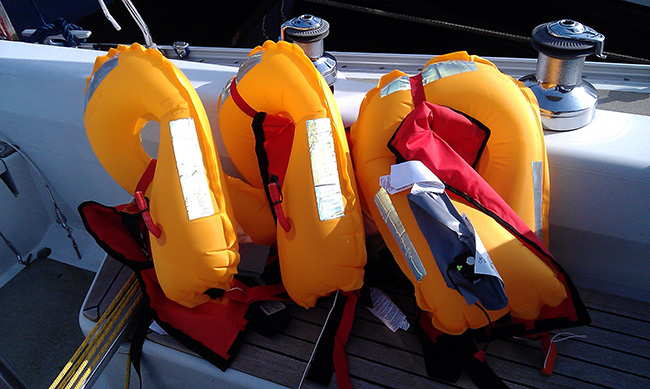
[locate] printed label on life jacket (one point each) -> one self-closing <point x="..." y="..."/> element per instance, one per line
<point x="439" y="70"/>
<point x="538" y="179"/>
<point x="191" y="172"/>
<point x="385" y="310"/>
<point x="483" y="263"/>
<point x="391" y="218"/>
<point x="324" y="169"/>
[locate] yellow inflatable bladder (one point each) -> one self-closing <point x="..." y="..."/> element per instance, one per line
<point x="282" y="130"/>
<point x="193" y="238"/>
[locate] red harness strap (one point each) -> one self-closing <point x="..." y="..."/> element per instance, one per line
<point x="239" y="101"/>
<point x="417" y="89"/>
<point x="330" y="351"/>
<point x="147" y="177"/>
<point x="276" y="199"/>
<point x="341" y="338"/>
<point x="248" y="295"/>
<point x="142" y="203"/>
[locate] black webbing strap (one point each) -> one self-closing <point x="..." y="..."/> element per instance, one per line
<point x="449" y="355"/>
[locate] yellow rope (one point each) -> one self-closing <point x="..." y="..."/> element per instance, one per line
<point x="77" y="359"/>
<point x="82" y="375"/>
<point x="78" y="369"/>
<point x="127" y="379"/>
<point x="82" y="361"/>
<point x="111" y="331"/>
<point x="105" y="344"/>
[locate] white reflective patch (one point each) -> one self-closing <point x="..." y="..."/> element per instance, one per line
<point x="439" y="70"/>
<point x="538" y="179"/>
<point x="191" y="172"/>
<point x="394" y="223"/>
<point x="324" y="169"/>
<point x="396" y="85"/>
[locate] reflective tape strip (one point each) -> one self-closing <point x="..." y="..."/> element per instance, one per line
<point x="538" y="181"/>
<point x="248" y="64"/>
<point x="439" y="70"/>
<point x="391" y="218"/>
<point x="99" y="76"/>
<point x="431" y="73"/>
<point x="324" y="169"/>
<point x="191" y="171"/>
<point x="396" y="85"/>
<point x="225" y="93"/>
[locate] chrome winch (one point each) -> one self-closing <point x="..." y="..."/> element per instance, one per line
<point x="566" y="101"/>
<point x="308" y="32"/>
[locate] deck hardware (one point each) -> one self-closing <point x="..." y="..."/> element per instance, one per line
<point x="566" y="101"/>
<point x="182" y="49"/>
<point x="15" y="250"/>
<point x="308" y="32"/>
<point x="57" y="39"/>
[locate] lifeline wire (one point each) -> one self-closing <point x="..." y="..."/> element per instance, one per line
<point x="108" y="15"/>
<point x="440" y="23"/>
<point x="14" y="249"/>
<point x="138" y="19"/>
<point x="148" y="40"/>
<point x="60" y="217"/>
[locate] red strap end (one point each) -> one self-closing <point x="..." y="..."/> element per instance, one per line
<point x="144" y="208"/>
<point x="480" y="355"/>
<point x="550" y="353"/>
<point x="276" y="198"/>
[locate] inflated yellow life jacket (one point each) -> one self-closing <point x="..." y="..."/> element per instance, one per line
<point x="512" y="160"/>
<point x="282" y="130"/>
<point x="193" y="238"/>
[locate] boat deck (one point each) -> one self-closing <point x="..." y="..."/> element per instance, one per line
<point x="613" y="351"/>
